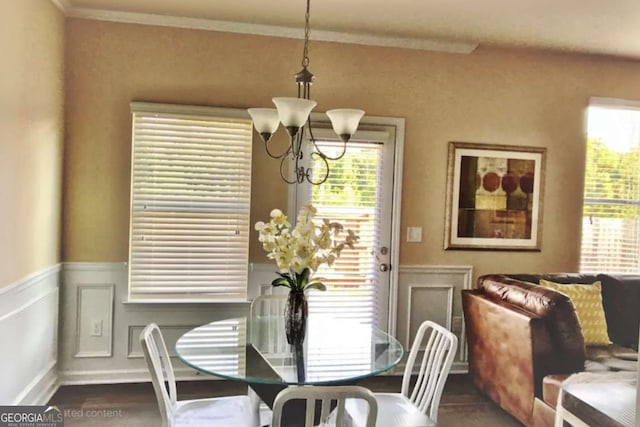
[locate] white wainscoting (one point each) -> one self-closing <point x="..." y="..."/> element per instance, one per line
<point x="29" y="337"/>
<point x="427" y="292"/>
<point x="96" y="293"/>
<point x="100" y="329"/>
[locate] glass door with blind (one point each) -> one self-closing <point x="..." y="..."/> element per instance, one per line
<point x="358" y="194"/>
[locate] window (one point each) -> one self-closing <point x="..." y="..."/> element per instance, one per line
<point x="358" y="194"/>
<point x="351" y="196"/>
<point x="611" y="212"/>
<point x="190" y="199"/>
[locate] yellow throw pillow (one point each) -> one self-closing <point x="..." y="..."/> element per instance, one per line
<point x="587" y="300"/>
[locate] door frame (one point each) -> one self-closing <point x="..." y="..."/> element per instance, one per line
<point x="396" y="127"/>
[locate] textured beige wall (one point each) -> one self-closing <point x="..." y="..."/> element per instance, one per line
<point x="496" y="96"/>
<point x="31" y="130"/>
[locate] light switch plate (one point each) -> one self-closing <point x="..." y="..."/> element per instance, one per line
<point x="414" y="234"/>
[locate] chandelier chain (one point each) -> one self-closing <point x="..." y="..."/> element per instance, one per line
<point x="307" y="30"/>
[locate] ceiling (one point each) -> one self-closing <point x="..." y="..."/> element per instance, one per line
<point x="593" y="26"/>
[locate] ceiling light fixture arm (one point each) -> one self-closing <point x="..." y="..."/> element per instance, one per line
<point x="317" y="149"/>
<point x="276" y="156"/>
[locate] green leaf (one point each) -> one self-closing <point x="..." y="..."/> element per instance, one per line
<point x="305" y="275"/>
<point x="281" y="281"/>
<point x="316" y="285"/>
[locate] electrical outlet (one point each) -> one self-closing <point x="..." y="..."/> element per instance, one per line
<point x="96" y="327"/>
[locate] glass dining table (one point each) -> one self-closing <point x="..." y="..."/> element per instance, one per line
<point x="255" y="350"/>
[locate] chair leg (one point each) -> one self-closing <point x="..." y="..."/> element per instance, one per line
<point x="261" y="412"/>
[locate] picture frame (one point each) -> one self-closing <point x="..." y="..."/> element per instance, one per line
<point x="494" y="197"/>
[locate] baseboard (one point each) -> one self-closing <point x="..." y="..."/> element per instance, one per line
<point x="456" y="368"/>
<point x="460" y="368"/>
<point x="41" y="389"/>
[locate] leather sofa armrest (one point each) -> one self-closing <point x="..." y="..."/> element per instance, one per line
<point x="504" y="344"/>
<point x="555" y="308"/>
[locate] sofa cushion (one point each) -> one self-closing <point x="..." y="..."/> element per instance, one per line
<point x="621" y="299"/>
<point x="587" y="300"/>
<point x="612" y="358"/>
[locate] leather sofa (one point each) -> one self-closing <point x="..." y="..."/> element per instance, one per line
<point x="524" y="339"/>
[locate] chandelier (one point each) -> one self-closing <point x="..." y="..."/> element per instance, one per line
<point x="294" y="114"/>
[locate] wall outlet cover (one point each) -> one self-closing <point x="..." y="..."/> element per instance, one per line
<point x="96" y="327"/>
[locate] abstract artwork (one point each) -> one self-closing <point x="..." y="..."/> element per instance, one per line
<point x="494" y="197"/>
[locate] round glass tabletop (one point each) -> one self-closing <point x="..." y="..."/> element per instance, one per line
<point x="255" y="350"/>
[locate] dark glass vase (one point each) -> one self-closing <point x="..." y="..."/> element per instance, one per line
<point x="295" y="317"/>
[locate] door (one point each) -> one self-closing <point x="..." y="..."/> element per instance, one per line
<point x="359" y="193"/>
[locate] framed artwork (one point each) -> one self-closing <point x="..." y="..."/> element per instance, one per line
<point x="494" y="197"/>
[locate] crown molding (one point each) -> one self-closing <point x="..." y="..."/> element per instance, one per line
<point x="265" y="30"/>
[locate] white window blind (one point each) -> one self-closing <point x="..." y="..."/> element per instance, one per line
<point x="190" y="199"/>
<point x="611" y="211"/>
<point x="351" y="196"/>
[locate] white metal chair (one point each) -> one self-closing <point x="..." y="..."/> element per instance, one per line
<point x="272" y="304"/>
<point x="327" y="394"/>
<point x="269" y="308"/>
<point x="236" y="411"/>
<point x="417" y="407"/>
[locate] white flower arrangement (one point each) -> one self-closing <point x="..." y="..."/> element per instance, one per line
<point x="299" y="252"/>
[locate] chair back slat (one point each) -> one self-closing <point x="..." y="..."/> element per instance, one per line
<point x="425" y="367"/>
<point x="439" y="352"/>
<point x="437" y="357"/>
<point x="310" y="415"/>
<point x="326" y="409"/>
<point x="340" y="413"/>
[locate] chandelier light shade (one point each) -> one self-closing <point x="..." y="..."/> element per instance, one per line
<point x="265" y="120"/>
<point x="294" y="114"/>
<point x="345" y="121"/>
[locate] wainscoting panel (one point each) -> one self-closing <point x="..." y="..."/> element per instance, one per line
<point x="433" y="293"/>
<point x="95" y="316"/>
<point x="428" y="302"/>
<point x="100" y="328"/>
<point x="29" y="333"/>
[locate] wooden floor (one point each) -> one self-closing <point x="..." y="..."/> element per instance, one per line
<point x="134" y="405"/>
